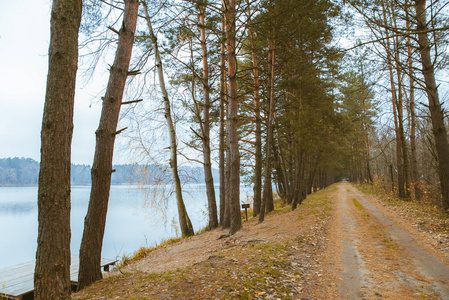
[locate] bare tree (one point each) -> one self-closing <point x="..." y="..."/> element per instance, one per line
<point x="184" y="220"/>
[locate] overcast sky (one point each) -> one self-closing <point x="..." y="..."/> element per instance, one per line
<point x="24" y="40"/>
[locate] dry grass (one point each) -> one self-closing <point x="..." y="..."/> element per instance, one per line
<point x="260" y="261"/>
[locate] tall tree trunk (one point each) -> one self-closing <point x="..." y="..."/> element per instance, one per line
<point x="95" y="221"/>
<point x="268" y="144"/>
<point x="281" y="181"/>
<point x="312" y="173"/>
<point x="403" y="143"/>
<point x="52" y="271"/>
<point x="304" y="181"/>
<point x="234" y="155"/>
<point x="369" y="178"/>
<point x="395" y="116"/>
<point x="309" y="175"/>
<point x="414" y="159"/>
<point x="392" y="177"/>
<point x="269" y="205"/>
<point x="184" y="220"/>
<point x="210" y="190"/>
<point x="298" y="179"/>
<point x="368" y="151"/>
<point x="284" y="176"/>
<point x="322" y="182"/>
<point x="222" y="146"/>
<point x="436" y="113"/>
<point x="227" y="215"/>
<point x="258" y="133"/>
<point x="400" y="109"/>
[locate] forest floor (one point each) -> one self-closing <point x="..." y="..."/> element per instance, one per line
<point x="340" y="243"/>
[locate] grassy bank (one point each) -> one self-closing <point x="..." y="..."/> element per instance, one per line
<point x="272" y="260"/>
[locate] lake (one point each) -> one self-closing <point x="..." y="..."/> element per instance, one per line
<point x="133" y="219"/>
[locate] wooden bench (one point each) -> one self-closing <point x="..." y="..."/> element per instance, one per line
<point x="17" y="282"/>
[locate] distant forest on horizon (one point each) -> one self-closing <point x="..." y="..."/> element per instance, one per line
<point x="25" y="171"/>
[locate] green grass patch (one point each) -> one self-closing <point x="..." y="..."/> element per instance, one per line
<point x="319" y="203"/>
<point x="389" y="243"/>
<point x="357" y="204"/>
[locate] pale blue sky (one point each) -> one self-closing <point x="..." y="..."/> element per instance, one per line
<point x="24" y="38"/>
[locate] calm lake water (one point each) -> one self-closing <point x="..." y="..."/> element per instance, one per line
<point x="132" y="220"/>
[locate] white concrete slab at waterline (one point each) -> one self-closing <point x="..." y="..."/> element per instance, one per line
<point x="17" y="281"/>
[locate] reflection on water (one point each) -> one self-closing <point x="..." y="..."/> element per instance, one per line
<point x="14" y="208"/>
<point x="133" y="220"/>
<point x="17" y="200"/>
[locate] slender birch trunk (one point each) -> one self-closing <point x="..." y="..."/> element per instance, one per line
<point x="184" y="220"/>
<point x="210" y="190"/>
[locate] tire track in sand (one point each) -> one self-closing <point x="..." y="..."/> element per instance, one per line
<point x="373" y="258"/>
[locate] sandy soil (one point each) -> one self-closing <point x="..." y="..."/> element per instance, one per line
<point x="376" y="256"/>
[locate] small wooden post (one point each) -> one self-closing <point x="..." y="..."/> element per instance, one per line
<point x="246" y="206"/>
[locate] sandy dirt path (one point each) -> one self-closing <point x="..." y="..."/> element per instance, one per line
<point x="374" y="257"/>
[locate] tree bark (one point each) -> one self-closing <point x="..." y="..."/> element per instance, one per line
<point x="392" y="177"/>
<point x="414" y="159"/>
<point x="369" y="178"/>
<point x="210" y="190"/>
<point x="95" y="221"/>
<point x="436" y="113"/>
<point x="258" y="132"/>
<point x="268" y="144"/>
<point x="227" y="215"/>
<point x="222" y="146"/>
<point x="184" y="220"/>
<point x="400" y="109"/>
<point x="52" y="270"/>
<point x="234" y="155"/>
<point x="298" y="181"/>
<point x="394" y="101"/>
<point x="269" y="205"/>
<point x="283" y="174"/>
<point x="312" y="173"/>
